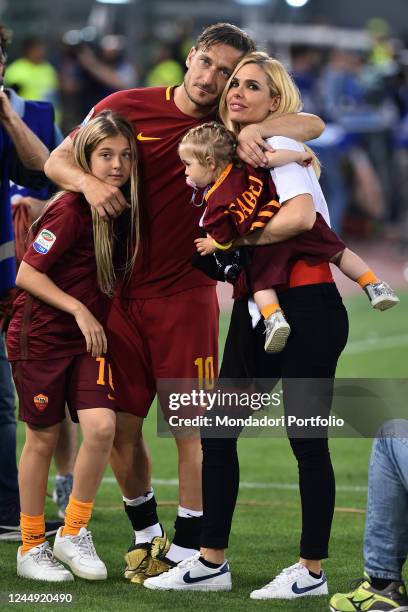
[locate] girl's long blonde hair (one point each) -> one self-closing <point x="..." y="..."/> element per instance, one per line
<point x="106" y="125"/>
<point x="281" y="85"/>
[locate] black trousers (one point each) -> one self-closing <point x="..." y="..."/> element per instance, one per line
<point x="319" y="333"/>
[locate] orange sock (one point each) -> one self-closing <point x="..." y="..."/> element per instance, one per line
<point x="367" y="278"/>
<point x="32" y="531"/>
<point x="77" y="515"/>
<point x="268" y="310"/>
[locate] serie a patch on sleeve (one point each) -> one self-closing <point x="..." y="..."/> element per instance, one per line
<point x="44" y="241"/>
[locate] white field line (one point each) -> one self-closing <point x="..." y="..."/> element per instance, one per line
<point x="173" y="482"/>
<point x="376" y="342"/>
<point x="359" y="346"/>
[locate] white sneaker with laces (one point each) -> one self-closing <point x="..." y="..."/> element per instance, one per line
<point x="192" y="575"/>
<point x="294" y="581"/>
<point x="381" y="295"/>
<point x="79" y="553"/>
<point x="277" y="331"/>
<point x="39" y="563"/>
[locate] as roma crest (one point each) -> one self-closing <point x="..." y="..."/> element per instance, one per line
<point x="40" y="402"/>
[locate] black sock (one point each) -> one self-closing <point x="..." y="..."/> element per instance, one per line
<point x="188" y="531"/>
<point x="144" y="515"/>
<point x="316" y="576"/>
<point x="379" y="584"/>
<point x="208" y="563"/>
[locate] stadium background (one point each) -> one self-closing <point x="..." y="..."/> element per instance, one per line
<point x="267" y="519"/>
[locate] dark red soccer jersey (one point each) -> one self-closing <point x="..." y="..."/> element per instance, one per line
<point x="64" y="250"/>
<point x="242" y="200"/>
<point x="169" y="223"/>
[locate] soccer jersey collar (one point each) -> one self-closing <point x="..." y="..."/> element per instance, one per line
<point x="218" y="182"/>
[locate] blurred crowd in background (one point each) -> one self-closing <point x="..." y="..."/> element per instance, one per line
<point x="361" y="94"/>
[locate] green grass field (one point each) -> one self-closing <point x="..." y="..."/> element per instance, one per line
<point x="267" y="520"/>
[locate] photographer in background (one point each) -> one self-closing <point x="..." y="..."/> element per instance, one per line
<point x="31" y="75"/>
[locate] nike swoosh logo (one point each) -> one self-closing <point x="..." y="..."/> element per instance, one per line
<point x="300" y="590"/>
<point x="141" y="137"/>
<point x="191" y="580"/>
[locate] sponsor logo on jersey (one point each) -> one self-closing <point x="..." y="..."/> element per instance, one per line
<point x="88" y="117"/>
<point x="44" y="241"/>
<point x="40" y="402"/>
<point x="142" y="138"/>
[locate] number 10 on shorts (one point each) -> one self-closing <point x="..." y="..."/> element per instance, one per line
<point x="205" y="372"/>
<point x="101" y="373"/>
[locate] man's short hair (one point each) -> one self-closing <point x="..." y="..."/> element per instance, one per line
<point x="226" y="34"/>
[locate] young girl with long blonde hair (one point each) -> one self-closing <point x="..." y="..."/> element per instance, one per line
<point x="58" y="349"/>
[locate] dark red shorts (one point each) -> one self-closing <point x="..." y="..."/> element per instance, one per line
<point x="271" y="265"/>
<point x="44" y="387"/>
<point x="173" y="337"/>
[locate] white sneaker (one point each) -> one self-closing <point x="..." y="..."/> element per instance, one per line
<point x="381" y="295"/>
<point x="192" y="575"/>
<point x="79" y="553"/>
<point x="39" y="563"/>
<point x="294" y="581"/>
<point x="277" y="331"/>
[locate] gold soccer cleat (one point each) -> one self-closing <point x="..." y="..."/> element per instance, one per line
<point x="154" y="567"/>
<point x="146" y="559"/>
<point x="136" y="559"/>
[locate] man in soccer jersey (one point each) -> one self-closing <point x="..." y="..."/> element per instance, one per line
<point x="164" y="321"/>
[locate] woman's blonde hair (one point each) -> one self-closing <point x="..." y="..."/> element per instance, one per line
<point x="211" y="140"/>
<point x="281" y="85"/>
<point x="107" y="125"/>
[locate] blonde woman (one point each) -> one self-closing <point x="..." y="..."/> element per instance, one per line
<point x="260" y="87"/>
<point x="58" y="350"/>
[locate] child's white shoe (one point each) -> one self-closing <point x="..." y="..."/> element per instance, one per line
<point x="381" y="295"/>
<point x="79" y="553"/>
<point x="39" y="563"/>
<point x="277" y="331"/>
